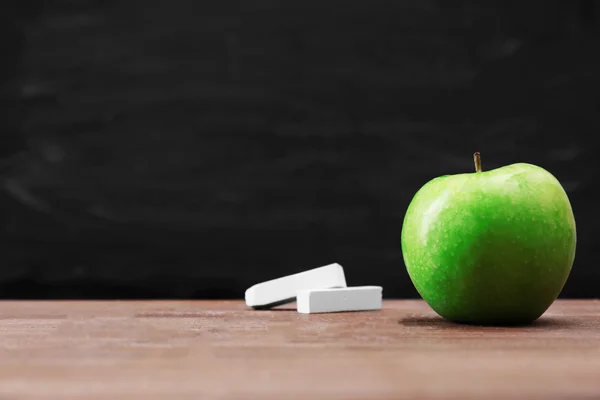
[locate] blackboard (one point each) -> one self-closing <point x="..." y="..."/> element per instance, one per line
<point x="191" y="149"/>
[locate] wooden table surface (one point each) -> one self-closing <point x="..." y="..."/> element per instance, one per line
<point x="223" y="350"/>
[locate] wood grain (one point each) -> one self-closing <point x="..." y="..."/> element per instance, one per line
<point x="223" y="350"/>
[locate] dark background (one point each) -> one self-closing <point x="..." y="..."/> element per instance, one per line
<point x="190" y="148"/>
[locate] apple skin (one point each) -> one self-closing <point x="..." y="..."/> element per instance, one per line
<point x="490" y="248"/>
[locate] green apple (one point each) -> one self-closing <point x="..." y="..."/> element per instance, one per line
<point x="493" y="247"/>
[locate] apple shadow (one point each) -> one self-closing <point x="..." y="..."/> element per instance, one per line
<point x="441" y="323"/>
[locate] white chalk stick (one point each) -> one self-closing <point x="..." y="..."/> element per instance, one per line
<point x="357" y="298"/>
<point x="283" y="290"/>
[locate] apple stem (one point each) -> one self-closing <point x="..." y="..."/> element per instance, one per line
<point x="477" y="160"/>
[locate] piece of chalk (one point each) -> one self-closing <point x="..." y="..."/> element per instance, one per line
<point x="283" y="290"/>
<point x="357" y="298"/>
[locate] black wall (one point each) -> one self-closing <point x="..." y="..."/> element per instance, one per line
<point x="193" y="148"/>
